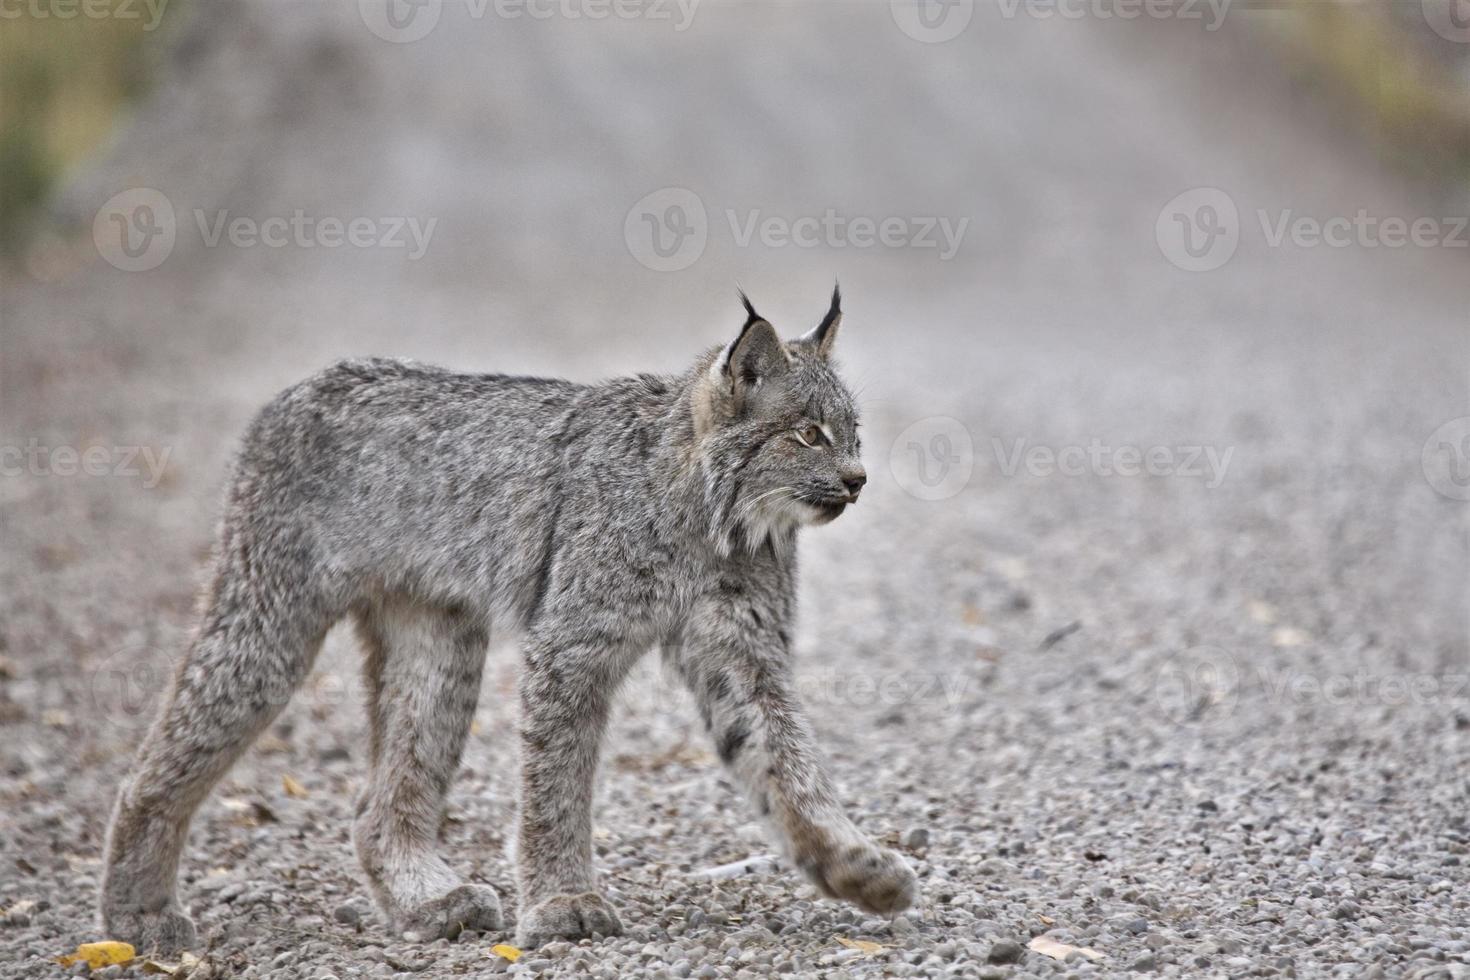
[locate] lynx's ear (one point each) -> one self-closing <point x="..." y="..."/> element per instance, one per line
<point x="751" y="359"/>
<point x="825" y="333"/>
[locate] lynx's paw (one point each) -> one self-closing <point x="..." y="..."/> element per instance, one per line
<point x="567" y="917"/>
<point x="466" y="907"/>
<point x="873" y="878"/>
<point x="165" y="932"/>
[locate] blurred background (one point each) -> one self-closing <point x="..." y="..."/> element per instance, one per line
<point x="1160" y="319"/>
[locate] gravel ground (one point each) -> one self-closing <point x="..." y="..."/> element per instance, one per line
<point x="1213" y="721"/>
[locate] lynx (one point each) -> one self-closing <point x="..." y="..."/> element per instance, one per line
<point x="598" y="521"/>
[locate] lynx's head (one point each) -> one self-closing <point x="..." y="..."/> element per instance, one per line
<point x="777" y="430"/>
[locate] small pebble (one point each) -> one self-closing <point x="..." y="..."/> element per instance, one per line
<point x="1005" y="951"/>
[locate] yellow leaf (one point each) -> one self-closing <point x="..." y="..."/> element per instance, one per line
<point x="505" y="952"/>
<point x="862" y="946"/>
<point x="97" y="955"/>
<point x="293" y="788"/>
<point x="1060" y="951"/>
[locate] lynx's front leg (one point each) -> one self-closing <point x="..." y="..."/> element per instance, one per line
<point x="734" y="657"/>
<point x="565" y="693"/>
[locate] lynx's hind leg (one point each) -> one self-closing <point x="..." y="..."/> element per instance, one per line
<point x="250" y="652"/>
<point x="423" y="673"/>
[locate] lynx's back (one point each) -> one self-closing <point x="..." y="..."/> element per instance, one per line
<point x="403" y="477"/>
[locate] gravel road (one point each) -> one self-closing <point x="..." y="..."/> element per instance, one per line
<point x="1150" y="636"/>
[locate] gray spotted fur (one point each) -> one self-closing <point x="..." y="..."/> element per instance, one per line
<point x="598" y="521"/>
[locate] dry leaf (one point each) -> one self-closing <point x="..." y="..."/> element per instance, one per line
<point x="21" y="907"/>
<point x="271" y="744"/>
<point x="249" y="813"/>
<point x="1261" y="612"/>
<point x="505" y="952"/>
<point x="475" y="727"/>
<point x="293" y="788"/>
<point x="98" y="955"/>
<point x="1046" y="920"/>
<point x="1289" y="636"/>
<point x="1012" y="568"/>
<point x="862" y="946"/>
<point x="972" y="616"/>
<point x="1060" y="951"/>
<point x="181" y="969"/>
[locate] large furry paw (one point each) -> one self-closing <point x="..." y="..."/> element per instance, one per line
<point x="567" y="917"/>
<point x="168" y="931"/>
<point x="465" y="907"/>
<point x="873" y="878"/>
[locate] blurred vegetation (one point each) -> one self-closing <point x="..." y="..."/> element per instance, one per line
<point x="63" y="80"/>
<point x="1388" y="70"/>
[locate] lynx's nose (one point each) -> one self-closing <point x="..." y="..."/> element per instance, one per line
<point x="854" y="483"/>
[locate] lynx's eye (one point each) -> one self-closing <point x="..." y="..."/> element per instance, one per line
<point x="811" y="436"/>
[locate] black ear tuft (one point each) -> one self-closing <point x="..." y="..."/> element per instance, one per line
<point x="833" y="312"/>
<point x="751" y="314"/>
<point x="824" y="334"/>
